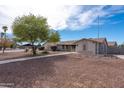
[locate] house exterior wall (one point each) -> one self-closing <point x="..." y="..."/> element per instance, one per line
<point x="102" y="49"/>
<point x="66" y="47"/>
<point x="60" y="47"/>
<point x="90" y="47"/>
<point x="82" y="46"/>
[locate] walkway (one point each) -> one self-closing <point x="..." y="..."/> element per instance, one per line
<point x="120" y="56"/>
<point x="29" y="58"/>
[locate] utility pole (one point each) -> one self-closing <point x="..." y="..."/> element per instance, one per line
<point x="98" y="37"/>
<point x="98" y="26"/>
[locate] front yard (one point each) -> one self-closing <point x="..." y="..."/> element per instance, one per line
<point x="72" y="70"/>
<point x="22" y="54"/>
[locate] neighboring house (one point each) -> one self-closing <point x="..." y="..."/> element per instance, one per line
<point x="92" y="45"/>
<point x="113" y="48"/>
<point x="112" y="44"/>
<point x="7" y="43"/>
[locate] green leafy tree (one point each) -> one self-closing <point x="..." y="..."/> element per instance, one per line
<point x="17" y="41"/>
<point x="32" y="29"/>
<point x="5" y="28"/>
<point x="54" y="37"/>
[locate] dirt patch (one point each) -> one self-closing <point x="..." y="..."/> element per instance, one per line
<point x="14" y="55"/>
<point x="72" y="70"/>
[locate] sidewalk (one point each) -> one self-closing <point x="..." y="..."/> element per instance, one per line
<point x="29" y="58"/>
<point x="120" y="56"/>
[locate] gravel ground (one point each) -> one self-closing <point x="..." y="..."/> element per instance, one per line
<point x="73" y="70"/>
<point x="20" y="54"/>
<point x="13" y="55"/>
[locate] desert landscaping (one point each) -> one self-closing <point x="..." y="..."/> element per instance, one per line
<point x="73" y="70"/>
<point x="23" y="54"/>
<point x="80" y="47"/>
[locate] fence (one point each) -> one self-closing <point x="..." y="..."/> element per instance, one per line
<point x="115" y="50"/>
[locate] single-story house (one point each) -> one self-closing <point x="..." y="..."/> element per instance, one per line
<point x="113" y="48"/>
<point x="62" y="46"/>
<point x="90" y="45"/>
<point x="67" y="45"/>
<point x="7" y="43"/>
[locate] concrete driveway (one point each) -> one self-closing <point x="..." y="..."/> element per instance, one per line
<point x="120" y="56"/>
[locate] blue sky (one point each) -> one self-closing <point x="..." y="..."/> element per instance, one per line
<point x="111" y="26"/>
<point x="73" y="21"/>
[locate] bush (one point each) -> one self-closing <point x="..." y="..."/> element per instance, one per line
<point x="54" y="48"/>
<point x="45" y="52"/>
<point x="41" y="48"/>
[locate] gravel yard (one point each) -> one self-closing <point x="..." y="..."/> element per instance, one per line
<point x="13" y="55"/>
<point x="72" y="70"/>
<point x="21" y="54"/>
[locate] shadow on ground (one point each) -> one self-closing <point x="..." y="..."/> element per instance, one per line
<point x="25" y="74"/>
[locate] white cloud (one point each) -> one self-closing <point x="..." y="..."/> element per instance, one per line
<point x="56" y="15"/>
<point x="59" y="17"/>
<point x="87" y="18"/>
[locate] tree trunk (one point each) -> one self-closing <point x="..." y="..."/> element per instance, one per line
<point x="4" y="43"/>
<point x="33" y="50"/>
<point x="3" y="49"/>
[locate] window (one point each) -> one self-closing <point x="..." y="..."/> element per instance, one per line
<point x="62" y="46"/>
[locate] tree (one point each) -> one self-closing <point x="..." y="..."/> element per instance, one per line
<point x="54" y="38"/>
<point x="32" y="29"/>
<point x="5" y="28"/>
<point x="17" y="40"/>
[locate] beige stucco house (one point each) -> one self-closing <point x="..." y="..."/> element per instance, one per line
<point x="90" y="45"/>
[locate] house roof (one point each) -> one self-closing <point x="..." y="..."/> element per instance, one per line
<point x="100" y="40"/>
<point x="71" y="42"/>
<point x="96" y="40"/>
<point x="112" y="43"/>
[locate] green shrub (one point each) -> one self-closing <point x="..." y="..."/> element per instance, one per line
<point x="45" y="52"/>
